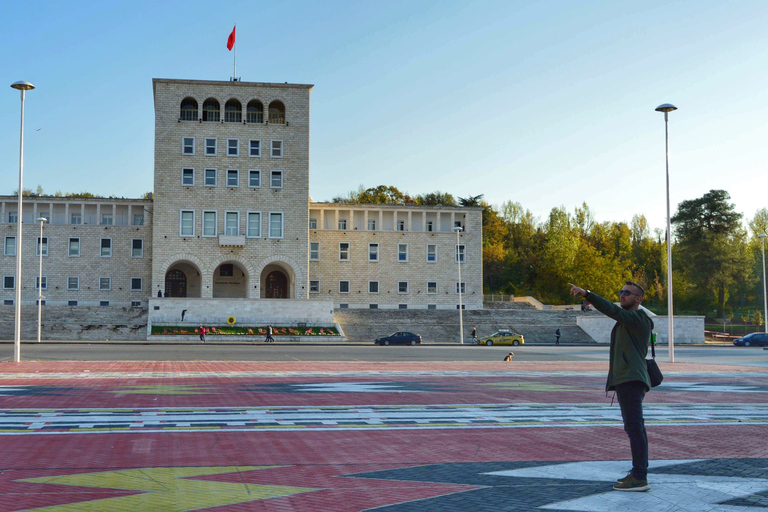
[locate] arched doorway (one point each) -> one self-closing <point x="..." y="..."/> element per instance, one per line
<point x="176" y="283"/>
<point x="278" y="281"/>
<point x="276" y="285"/>
<point x="182" y="279"/>
<point x="230" y="281"/>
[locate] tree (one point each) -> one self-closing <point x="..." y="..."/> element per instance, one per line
<point x="435" y="198"/>
<point x="471" y="200"/>
<point x="382" y="194"/>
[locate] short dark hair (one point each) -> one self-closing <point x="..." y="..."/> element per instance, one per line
<point x="632" y="283"/>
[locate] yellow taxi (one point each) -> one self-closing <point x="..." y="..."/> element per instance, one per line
<point x="502" y="337"/>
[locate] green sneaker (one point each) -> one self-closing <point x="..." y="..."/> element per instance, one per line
<point x="624" y="478"/>
<point x="632" y="484"/>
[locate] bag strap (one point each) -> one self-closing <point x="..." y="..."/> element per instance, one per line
<point x="653" y="347"/>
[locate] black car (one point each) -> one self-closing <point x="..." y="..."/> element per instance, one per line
<point x="756" y="338"/>
<point x="399" y="338"/>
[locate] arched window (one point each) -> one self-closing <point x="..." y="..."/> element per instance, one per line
<point x="233" y="111"/>
<point x="277" y="112"/>
<point x="211" y="110"/>
<point x="188" y="109"/>
<point x="255" y="113"/>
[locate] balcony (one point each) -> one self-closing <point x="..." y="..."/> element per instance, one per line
<point x="231" y="240"/>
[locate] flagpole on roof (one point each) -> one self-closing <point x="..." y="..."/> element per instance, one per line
<point x="235" y="75"/>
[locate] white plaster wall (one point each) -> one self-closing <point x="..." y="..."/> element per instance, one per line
<point x="246" y="311"/>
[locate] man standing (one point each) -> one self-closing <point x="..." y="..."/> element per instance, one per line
<point x="628" y="373"/>
<point x="557" y="337"/>
<point x="474" y="335"/>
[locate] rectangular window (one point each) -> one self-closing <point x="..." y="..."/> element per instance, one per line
<point x="344" y="251"/>
<point x="13" y="217"/>
<point x="9" y="247"/>
<point x="232" y="223"/>
<point x="44" y="246"/>
<point x="210" y="177"/>
<point x="226" y="270"/>
<point x="71" y="303"/>
<point x="9" y="282"/>
<point x="105" y="283"/>
<point x="457" y="224"/>
<point x="209" y="223"/>
<point x="275" y="225"/>
<point x="76" y="218"/>
<point x="373" y="306"/>
<point x="461" y="253"/>
<point x="312" y="223"/>
<point x="254" y="225"/>
<point x="276" y="179"/>
<point x="341" y="306"/>
<point x="373" y="287"/>
<point x="137" y="248"/>
<point x="431" y="253"/>
<point x="343" y="286"/>
<point x="431" y="306"/>
<point x="314" y="286"/>
<point x="188" y="146"/>
<point x="187" y="177"/>
<point x="44" y="281"/>
<point x="314" y="251"/>
<point x="73" y="283"/>
<point x="135" y="303"/>
<point x="402" y="306"/>
<point x="254" y="148"/>
<point x="429" y="225"/>
<point x="74" y="247"/>
<point x="135" y="284"/>
<point x="373" y="252"/>
<point x="343" y="224"/>
<point x="432" y="287"/>
<point x="401" y="225"/>
<point x="8" y="302"/>
<point x="463" y="288"/>
<point x="402" y="287"/>
<point x="402" y="252"/>
<point x="138" y="219"/>
<point x="233" y="147"/>
<point x="104" y="303"/>
<point x="106" y="219"/>
<point x="40" y="302"/>
<point x="210" y="147"/>
<point x="187" y="223"/>
<point x="371" y="225"/>
<point x="277" y="149"/>
<point x="254" y="178"/>
<point x="106" y="247"/>
<point x="233" y="178"/>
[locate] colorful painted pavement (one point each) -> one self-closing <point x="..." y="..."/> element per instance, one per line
<point x="362" y="436"/>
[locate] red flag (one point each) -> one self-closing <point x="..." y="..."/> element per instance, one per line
<point x="231" y="39"/>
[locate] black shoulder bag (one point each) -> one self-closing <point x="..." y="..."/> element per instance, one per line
<point x="653" y="369"/>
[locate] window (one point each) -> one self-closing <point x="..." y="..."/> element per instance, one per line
<point x="463" y="288"/>
<point x="371" y="225"/>
<point x="76" y="218"/>
<point x="233" y="178"/>
<point x="314" y="251"/>
<point x="276" y="179"/>
<point x="344" y="251"/>
<point x="277" y="149"/>
<point x="341" y="306"/>
<point x="187" y="223"/>
<point x="373" y="287"/>
<point x="233" y="111"/>
<point x="209" y="223"/>
<point x="8" y="302"/>
<point x="401" y="225"/>
<point x="106" y="219"/>
<point x="232" y="223"/>
<point x="254" y="225"/>
<point x="210" y="147"/>
<point x="73" y="283"/>
<point x="137" y="248"/>
<point x="104" y="303"/>
<point x="312" y="223"/>
<point x="106" y="248"/>
<point x="343" y="286"/>
<point x="343" y="224"/>
<point x="40" y="302"/>
<point x="254" y="178"/>
<point x="373" y="252"/>
<point x="134" y="304"/>
<point x="9" y="282"/>
<point x="44" y="282"/>
<point x="135" y="284"/>
<point x="275" y="225"/>
<point x="210" y="177"/>
<point x="44" y="246"/>
<point x="457" y="224"/>
<point x="314" y="286"/>
<point x="254" y="112"/>
<point x="431" y="287"/>
<point x="431" y="306"/>
<point x="373" y="306"/>
<point x="277" y="112"/>
<point x="187" y="177"/>
<point x="71" y="303"/>
<point x="9" y="247"/>
<point x="402" y="306"/>
<point x="105" y="283"/>
<point x="13" y="217"/>
<point x="74" y="247"/>
<point x="402" y="252"/>
<point x="431" y="253"/>
<point x="46" y="216"/>
<point x="211" y="110"/>
<point x="226" y="270"/>
<point x="188" y="146"/>
<point x="233" y="147"/>
<point x="429" y="225"/>
<point x="460" y="253"/>
<point x="188" y="110"/>
<point x="402" y="287"/>
<point x="254" y="148"/>
<point x="138" y="219"/>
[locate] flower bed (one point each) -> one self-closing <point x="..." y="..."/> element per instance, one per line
<point x="228" y="330"/>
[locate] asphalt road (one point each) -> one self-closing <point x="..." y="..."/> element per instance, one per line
<point x="137" y="351"/>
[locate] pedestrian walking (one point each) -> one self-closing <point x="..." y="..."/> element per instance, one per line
<point x="628" y="372"/>
<point x="557" y="337"/>
<point x="474" y="335"/>
<point x="269" y="338"/>
<point x="202" y="334"/>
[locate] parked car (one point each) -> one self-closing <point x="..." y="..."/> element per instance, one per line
<point x="399" y="338"/>
<point x="502" y="337"/>
<point x="756" y="338"/>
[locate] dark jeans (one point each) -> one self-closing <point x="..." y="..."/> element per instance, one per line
<point x="630" y="396"/>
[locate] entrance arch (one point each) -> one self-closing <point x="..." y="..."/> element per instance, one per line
<point x="182" y="279"/>
<point x="230" y="281"/>
<point x="276" y="282"/>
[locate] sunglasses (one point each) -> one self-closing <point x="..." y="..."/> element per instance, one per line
<point x="626" y="292"/>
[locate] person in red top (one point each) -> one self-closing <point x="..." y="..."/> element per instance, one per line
<point x="202" y="334"/>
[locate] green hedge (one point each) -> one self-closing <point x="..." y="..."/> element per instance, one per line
<point x="177" y="330"/>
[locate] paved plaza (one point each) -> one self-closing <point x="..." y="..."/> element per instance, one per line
<point x="353" y="436"/>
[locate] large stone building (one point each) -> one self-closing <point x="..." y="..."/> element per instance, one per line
<point x="231" y="218"/>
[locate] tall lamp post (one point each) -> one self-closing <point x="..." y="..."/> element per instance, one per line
<point x="458" y="230"/>
<point x="667" y="108"/>
<point x="41" y="220"/>
<point x="23" y="87"/>
<point x="765" y="294"/>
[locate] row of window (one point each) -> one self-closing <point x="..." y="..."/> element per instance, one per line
<point x="374" y="254"/>
<point x="134" y="303"/>
<point x="73" y="283"/>
<point x="211" y="148"/>
<point x="210" y="178"/>
<point x="233" y="111"/>
<point x="403" y="287"/>
<point x="74" y="247"/>
<point x="210" y="224"/>
<point x="342" y="224"/>
<point x="107" y="219"/>
<point x="399" y="306"/>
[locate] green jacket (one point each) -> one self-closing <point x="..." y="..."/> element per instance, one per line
<point x="630" y="338"/>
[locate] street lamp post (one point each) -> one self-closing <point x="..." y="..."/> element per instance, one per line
<point x="458" y="230"/>
<point x="41" y="220"/>
<point x="23" y="87"/>
<point x="667" y="108"/>
<point x="765" y="294"/>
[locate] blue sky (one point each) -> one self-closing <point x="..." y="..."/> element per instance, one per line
<point x="543" y="103"/>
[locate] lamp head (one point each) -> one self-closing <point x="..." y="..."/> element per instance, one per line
<point x="762" y="235"/>
<point x="666" y="107"/>
<point x="41" y="219"/>
<point x="22" y="85"/>
<point x="458" y="228"/>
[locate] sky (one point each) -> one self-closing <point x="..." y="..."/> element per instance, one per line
<point x="544" y="103"/>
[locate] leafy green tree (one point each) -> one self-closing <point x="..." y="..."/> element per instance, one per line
<point x="382" y="194"/>
<point x="435" y="198"/>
